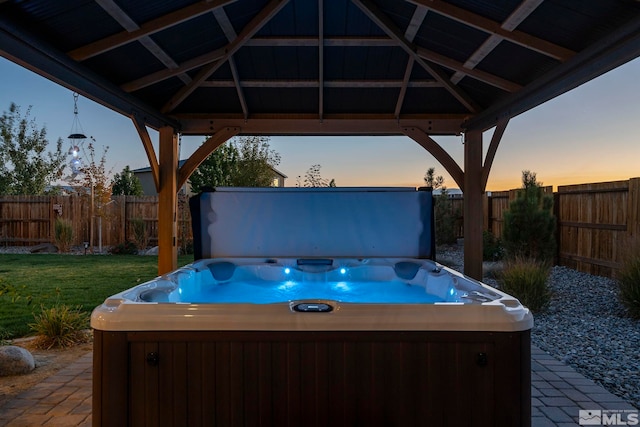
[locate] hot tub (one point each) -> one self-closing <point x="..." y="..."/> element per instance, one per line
<point x="233" y="340"/>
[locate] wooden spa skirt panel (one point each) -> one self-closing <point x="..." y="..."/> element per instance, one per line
<point x="282" y="379"/>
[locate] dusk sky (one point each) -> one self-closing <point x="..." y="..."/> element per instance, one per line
<point x="587" y="135"/>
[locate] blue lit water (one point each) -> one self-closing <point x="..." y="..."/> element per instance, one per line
<point x="261" y="292"/>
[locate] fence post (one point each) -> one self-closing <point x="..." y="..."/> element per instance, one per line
<point x="633" y="209"/>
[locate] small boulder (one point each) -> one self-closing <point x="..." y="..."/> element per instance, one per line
<point x="44" y="248"/>
<point x="15" y="360"/>
<point x="151" y="251"/>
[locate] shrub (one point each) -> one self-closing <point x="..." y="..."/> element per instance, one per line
<point x="529" y="224"/>
<point x="63" y="234"/>
<point x="492" y="249"/>
<point x="60" y="326"/>
<point x="128" y="248"/>
<point x="140" y="232"/>
<point x="629" y="280"/>
<point x="526" y="279"/>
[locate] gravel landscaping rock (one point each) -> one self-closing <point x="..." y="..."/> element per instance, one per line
<point x="585" y="327"/>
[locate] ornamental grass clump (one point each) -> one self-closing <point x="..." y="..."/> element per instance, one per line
<point x="526" y="279"/>
<point x="63" y="234"/>
<point x="629" y="281"/>
<point x="60" y="326"/>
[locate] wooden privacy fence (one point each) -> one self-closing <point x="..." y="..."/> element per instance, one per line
<point x="594" y="222"/>
<point x="30" y="220"/>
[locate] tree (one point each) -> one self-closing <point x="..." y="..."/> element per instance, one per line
<point x="25" y="167"/>
<point x="245" y="161"/>
<point x="313" y="178"/>
<point x="529" y="224"/>
<point x="445" y="218"/>
<point x="126" y="183"/>
<point x="95" y="181"/>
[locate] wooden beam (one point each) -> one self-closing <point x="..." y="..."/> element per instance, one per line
<point x="416" y="22"/>
<point x="320" y="59"/>
<point x="148" y="148"/>
<point x="258" y="21"/>
<point x="328" y="42"/>
<point x="201" y="154"/>
<point x="146" y="29"/>
<point x="491" y="27"/>
<point x="168" y="201"/>
<point x="386" y="25"/>
<point x="354" y="84"/>
<point x="482" y="76"/>
<point x="517" y="16"/>
<point x="436" y="150"/>
<point x="403" y="88"/>
<point x="493" y="147"/>
<point x="308" y="124"/>
<point x="473" y="212"/>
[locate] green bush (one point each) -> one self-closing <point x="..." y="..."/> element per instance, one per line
<point x="529" y="224"/>
<point x="60" y="326"/>
<point x="526" y="279"/>
<point x="629" y="281"/>
<point x="128" y="248"/>
<point x="492" y="249"/>
<point x="63" y="234"/>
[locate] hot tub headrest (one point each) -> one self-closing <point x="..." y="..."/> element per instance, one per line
<point x="222" y="271"/>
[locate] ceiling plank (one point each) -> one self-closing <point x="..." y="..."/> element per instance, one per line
<point x="258" y="21"/>
<point x="372" y="11"/>
<point x="487" y="25"/>
<point x="108" y="43"/>
<point x="328" y="41"/>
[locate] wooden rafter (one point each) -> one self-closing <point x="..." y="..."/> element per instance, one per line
<point x="201" y="154"/>
<point x="230" y="34"/>
<point x="517" y="16"/>
<point x="108" y="43"/>
<point x="491" y="27"/>
<point x="385" y="24"/>
<point x="148" y="148"/>
<point x="436" y="150"/>
<point x="268" y="12"/>
<point x="493" y="147"/>
<point x="358" y="84"/>
<point x="130" y="25"/>
<point x="403" y="88"/>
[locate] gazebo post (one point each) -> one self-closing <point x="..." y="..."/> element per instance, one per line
<point x="167" y="201"/>
<point x="473" y="212"/>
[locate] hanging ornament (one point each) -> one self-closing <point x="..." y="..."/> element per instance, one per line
<point x="76" y="139"/>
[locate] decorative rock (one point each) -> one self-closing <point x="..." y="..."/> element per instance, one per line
<point x="15" y="361"/>
<point x="152" y="251"/>
<point x="44" y="248"/>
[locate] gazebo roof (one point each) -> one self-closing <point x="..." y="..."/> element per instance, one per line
<point x="320" y="67"/>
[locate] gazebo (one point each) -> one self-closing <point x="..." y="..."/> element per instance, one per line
<point x="418" y="68"/>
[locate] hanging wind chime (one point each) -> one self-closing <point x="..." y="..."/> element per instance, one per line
<point x="76" y="139"/>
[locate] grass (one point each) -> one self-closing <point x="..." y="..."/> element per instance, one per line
<point x="526" y="279"/>
<point x="34" y="281"/>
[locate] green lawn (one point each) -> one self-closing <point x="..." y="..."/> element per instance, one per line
<point x="82" y="281"/>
